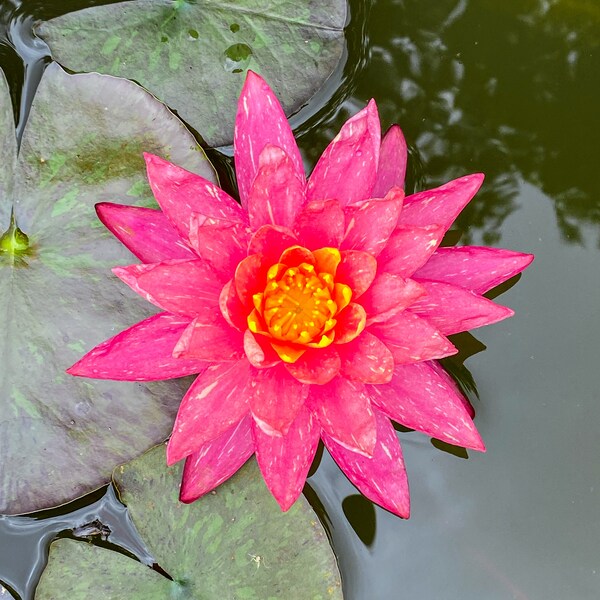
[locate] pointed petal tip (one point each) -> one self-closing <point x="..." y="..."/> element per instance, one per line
<point x="171" y="455"/>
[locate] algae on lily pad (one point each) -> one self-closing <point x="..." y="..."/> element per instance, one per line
<point x="61" y="436"/>
<point x="232" y="544"/>
<point x="194" y="54"/>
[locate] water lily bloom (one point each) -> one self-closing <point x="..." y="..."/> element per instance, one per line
<point x="316" y="309"/>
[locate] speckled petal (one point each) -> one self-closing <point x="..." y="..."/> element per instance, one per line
<point x="370" y="224"/>
<point x="276" y="399"/>
<point x="221" y="244"/>
<point x="143" y="352"/>
<point x="452" y="309"/>
<point x="270" y="241"/>
<point x="392" y="162"/>
<point x="412" y="339"/>
<point x="260" y="120"/>
<point x="420" y="398"/>
<point x="347" y="168"/>
<point x="381" y="478"/>
<point x="284" y="461"/>
<point x="366" y="359"/>
<point x="343" y="408"/>
<point x="217" y="399"/>
<point x="232" y="309"/>
<point x="440" y="206"/>
<point x="388" y="295"/>
<point x="278" y="192"/>
<point x="212" y="339"/>
<point x="316" y="366"/>
<point x="216" y="461"/>
<point x="409" y="248"/>
<point x="184" y="287"/>
<point x="259" y="351"/>
<point x="475" y="268"/>
<point x="181" y="193"/>
<point x="357" y="270"/>
<point x="320" y="224"/>
<point x="146" y="232"/>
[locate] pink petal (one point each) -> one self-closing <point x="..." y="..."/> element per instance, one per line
<point x="320" y="224"/>
<point x="388" y="295"/>
<point x="474" y="268"/>
<point x="232" y="309"/>
<point x="145" y="232"/>
<point x="284" y="461"/>
<point x="452" y="309"/>
<point x="347" y="168"/>
<point x="276" y="400"/>
<point x="370" y="224"/>
<point x="216" y="400"/>
<point x="181" y="193"/>
<point x="350" y="323"/>
<point x="441" y="205"/>
<point x="316" y="365"/>
<point x="357" y="269"/>
<point x="412" y="339"/>
<point x="392" y="162"/>
<point x="409" y="248"/>
<point x="260" y="120"/>
<point x="270" y="241"/>
<point x="250" y="278"/>
<point x="366" y="359"/>
<point x="277" y="193"/>
<point x="216" y="461"/>
<point x="381" y="478"/>
<point x="185" y="287"/>
<point x="259" y="351"/>
<point x="212" y="339"/>
<point x="420" y="398"/>
<point x="143" y="352"/>
<point x="221" y="244"/>
<point x="343" y="408"/>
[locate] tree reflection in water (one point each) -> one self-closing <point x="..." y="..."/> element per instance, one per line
<point x="473" y="103"/>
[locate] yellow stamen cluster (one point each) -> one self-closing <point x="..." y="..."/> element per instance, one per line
<point x="300" y="300"/>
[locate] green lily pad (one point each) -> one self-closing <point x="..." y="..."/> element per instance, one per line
<point x="193" y="54"/>
<point x="232" y="544"/>
<point x="61" y="436"/>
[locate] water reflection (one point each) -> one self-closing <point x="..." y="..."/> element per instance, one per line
<point x="500" y="87"/>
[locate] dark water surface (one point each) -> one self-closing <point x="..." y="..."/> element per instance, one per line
<point x="510" y="88"/>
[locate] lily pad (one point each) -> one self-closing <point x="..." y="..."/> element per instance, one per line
<point x="233" y="544"/>
<point x="193" y="54"/>
<point x="61" y="436"/>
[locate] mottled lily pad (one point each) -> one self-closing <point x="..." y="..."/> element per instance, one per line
<point x="233" y="544"/>
<point x="193" y="55"/>
<point x="61" y="436"/>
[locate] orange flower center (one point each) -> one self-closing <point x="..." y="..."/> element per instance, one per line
<point x="300" y="301"/>
<point x="297" y="303"/>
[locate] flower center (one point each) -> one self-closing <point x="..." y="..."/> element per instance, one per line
<point x="297" y="303"/>
<point x="300" y="303"/>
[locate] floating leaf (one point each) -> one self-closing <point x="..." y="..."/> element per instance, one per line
<point x="233" y="544"/>
<point x="193" y="55"/>
<point x="61" y="436"/>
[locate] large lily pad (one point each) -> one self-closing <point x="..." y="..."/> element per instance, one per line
<point x="233" y="544"/>
<point x="61" y="436"/>
<point x="193" y="54"/>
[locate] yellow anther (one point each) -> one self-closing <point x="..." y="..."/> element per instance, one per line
<point x="300" y="301"/>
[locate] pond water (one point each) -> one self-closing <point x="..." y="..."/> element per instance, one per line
<point x="509" y="88"/>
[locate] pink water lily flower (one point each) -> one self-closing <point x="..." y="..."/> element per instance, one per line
<point x="315" y="310"/>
